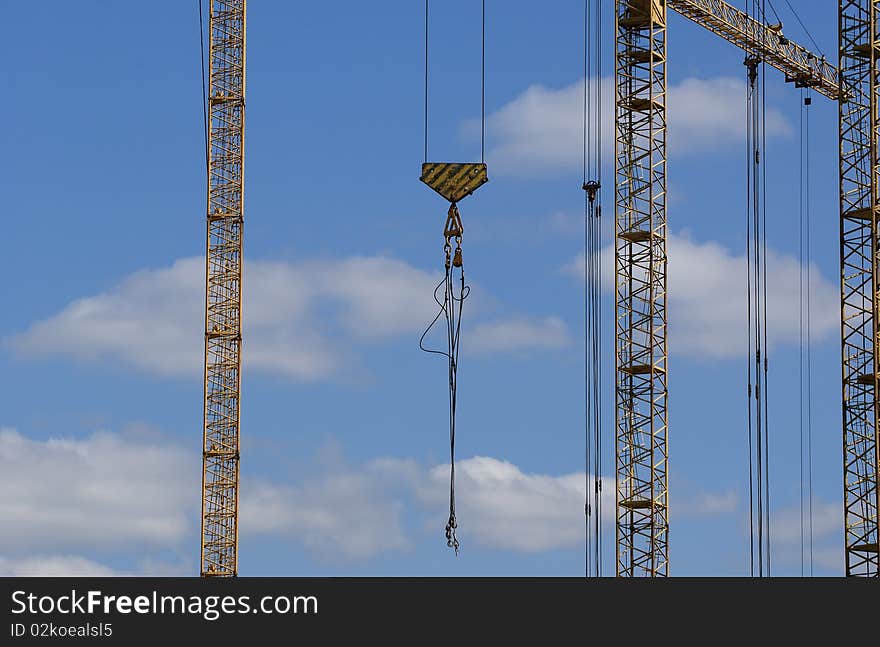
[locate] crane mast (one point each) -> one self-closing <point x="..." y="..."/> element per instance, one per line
<point x="641" y="429"/>
<point x="640" y="279"/>
<point x="225" y="219"/>
<point x="642" y="498"/>
<point x="859" y="21"/>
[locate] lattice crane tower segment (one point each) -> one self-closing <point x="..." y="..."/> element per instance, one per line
<point x="640" y="279"/>
<point x="225" y="212"/>
<point x="640" y="249"/>
<point x="859" y="22"/>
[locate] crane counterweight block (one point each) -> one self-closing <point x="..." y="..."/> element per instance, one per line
<point x="454" y="181"/>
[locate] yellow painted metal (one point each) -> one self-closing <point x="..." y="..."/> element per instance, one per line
<point x="640" y="258"/>
<point x="799" y="65"/>
<point x="454" y="181"/>
<point x="859" y="21"/>
<point x="642" y="498"/>
<point x="225" y="219"/>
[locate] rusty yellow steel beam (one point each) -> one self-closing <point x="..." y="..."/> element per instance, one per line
<point x="225" y="221"/>
<point x="800" y="65"/>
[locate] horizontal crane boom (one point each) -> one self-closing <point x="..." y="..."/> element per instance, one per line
<point x="799" y="65"/>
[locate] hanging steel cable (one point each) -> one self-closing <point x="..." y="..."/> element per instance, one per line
<point x="204" y="80"/>
<point x="801" y="329"/>
<point x="756" y="259"/>
<point x="592" y="184"/>
<point x="809" y="308"/>
<point x="749" y="160"/>
<point x="451" y="307"/>
<point x="805" y="334"/>
<point x="453" y="181"/>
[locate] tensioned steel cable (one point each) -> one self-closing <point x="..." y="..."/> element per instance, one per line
<point x="482" y="81"/>
<point x="592" y="182"/>
<point x="756" y="259"/>
<point x="426" y="80"/>
<point x="766" y="361"/>
<point x="587" y="443"/>
<point x="766" y="366"/>
<point x="801" y="328"/>
<point x="749" y="156"/>
<point x="809" y="393"/>
<point x="804" y="27"/>
<point x="598" y="354"/>
<point x="483" y="87"/>
<point x="806" y="368"/>
<point x="204" y="83"/>
<point x="759" y="453"/>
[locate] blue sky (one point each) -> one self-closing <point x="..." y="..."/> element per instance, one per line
<point x="343" y="420"/>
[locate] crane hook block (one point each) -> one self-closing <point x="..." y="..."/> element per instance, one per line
<point x="454" y="181"/>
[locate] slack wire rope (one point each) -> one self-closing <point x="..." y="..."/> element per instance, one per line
<point x="453" y="333"/>
<point x="451" y="306"/>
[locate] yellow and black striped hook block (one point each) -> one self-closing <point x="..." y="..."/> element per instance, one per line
<point x="454" y="181"/>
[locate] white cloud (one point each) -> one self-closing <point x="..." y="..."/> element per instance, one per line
<point x="54" y="566"/>
<point x="707" y="307"/>
<point x="109" y="493"/>
<point x="153" y="320"/>
<point x="827" y="521"/>
<point x="518" y="335"/>
<point x="101" y="491"/>
<point x="299" y="320"/>
<point x="541" y="130"/>
<point x="708" y="504"/>
<point x="500" y="506"/>
<point x="357" y="513"/>
<point x="828" y="553"/>
<point x="340" y="516"/>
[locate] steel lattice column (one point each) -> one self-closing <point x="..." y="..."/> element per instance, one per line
<point x="640" y="276"/>
<point x="225" y="210"/>
<point x="859" y="256"/>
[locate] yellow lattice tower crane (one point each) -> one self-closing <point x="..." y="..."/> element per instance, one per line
<point x="640" y="267"/>
<point x="225" y="219"/>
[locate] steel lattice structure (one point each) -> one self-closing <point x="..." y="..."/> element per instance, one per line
<point x="225" y="211"/>
<point x="640" y="268"/>
<point x="859" y="257"/>
<point x="640" y="259"/>
<point x="798" y="64"/>
<point x="640" y="279"/>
